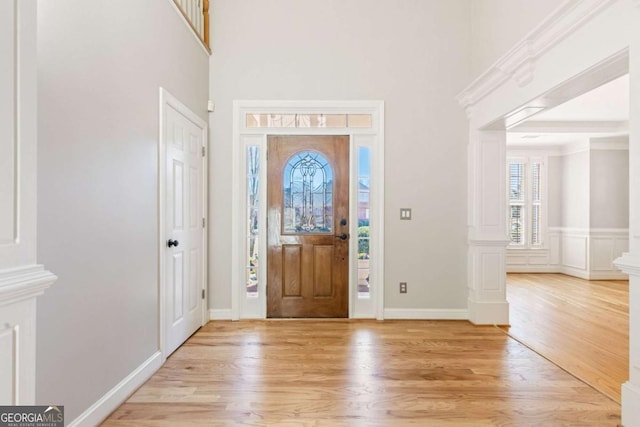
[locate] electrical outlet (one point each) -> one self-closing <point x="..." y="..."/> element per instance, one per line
<point x="403" y="287"/>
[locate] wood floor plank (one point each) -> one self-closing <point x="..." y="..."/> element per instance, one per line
<point x="580" y="325"/>
<point x="360" y="373"/>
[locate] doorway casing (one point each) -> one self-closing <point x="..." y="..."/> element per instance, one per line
<point x="580" y="46"/>
<point x="372" y="137"/>
<point x="168" y="101"/>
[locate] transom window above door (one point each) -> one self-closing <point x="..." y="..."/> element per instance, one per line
<point x="333" y="121"/>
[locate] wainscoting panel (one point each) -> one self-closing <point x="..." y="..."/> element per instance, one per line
<point x="554" y="248"/>
<point x="574" y="251"/>
<point x="602" y="253"/>
<point x="8" y="361"/>
<point x="588" y="254"/>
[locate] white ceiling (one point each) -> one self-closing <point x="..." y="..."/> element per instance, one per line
<point x="601" y="112"/>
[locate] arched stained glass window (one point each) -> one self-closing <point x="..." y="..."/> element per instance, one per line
<point x="308" y="194"/>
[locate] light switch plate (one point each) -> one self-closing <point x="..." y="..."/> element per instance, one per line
<point x="405" y="213"/>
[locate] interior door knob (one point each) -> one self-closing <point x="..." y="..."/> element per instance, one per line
<point x="172" y="242"/>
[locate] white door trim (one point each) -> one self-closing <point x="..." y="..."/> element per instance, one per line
<point x="166" y="99"/>
<point x="372" y="137"/>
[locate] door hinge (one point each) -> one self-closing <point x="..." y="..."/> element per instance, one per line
<point x="204" y="222"/>
<point x="203" y="294"/>
<point x="203" y="151"/>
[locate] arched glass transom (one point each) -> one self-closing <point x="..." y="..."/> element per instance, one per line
<point x="308" y="194"/>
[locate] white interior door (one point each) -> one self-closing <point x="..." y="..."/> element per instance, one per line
<point x="184" y="225"/>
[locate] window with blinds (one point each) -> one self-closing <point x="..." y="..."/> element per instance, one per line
<point x="525" y="202"/>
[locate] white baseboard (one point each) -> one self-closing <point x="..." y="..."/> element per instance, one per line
<point x="533" y="269"/>
<point x="219" y="314"/>
<point x="570" y="271"/>
<point x="575" y="272"/>
<point x="608" y="275"/>
<point x="117" y="395"/>
<point x="426" y="313"/>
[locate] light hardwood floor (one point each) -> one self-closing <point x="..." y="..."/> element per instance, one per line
<point x="361" y="373"/>
<point x="580" y="325"/>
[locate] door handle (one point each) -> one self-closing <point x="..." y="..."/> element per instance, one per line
<point x="343" y="236"/>
<point x="172" y="242"/>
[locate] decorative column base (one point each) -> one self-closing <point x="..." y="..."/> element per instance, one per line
<point x="630" y="264"/>
<point x="487" y="302"/>
<point x="630" y="404"/>
<point x="488" y="312"/>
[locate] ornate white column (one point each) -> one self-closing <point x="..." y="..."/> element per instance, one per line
<point x="630" y="262"/>
<point x="487" y="216"/>
<point x="21" y="278"/>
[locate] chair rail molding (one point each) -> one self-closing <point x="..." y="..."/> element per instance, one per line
<point x="17" y="284"/>
<point x="629" y="263"/>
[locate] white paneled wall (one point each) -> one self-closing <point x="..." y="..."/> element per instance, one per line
<point x="588" y="254"/>
<point x="21" y="279"/>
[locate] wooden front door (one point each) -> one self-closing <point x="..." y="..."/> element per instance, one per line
<point x="308" y="226"/>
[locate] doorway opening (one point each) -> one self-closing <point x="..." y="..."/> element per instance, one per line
<point x="568" y="214"/>
<point x="359" y="124"/>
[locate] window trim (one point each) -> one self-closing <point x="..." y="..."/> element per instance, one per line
<point x="528" y="158"/>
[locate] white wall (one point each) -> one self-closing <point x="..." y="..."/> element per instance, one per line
<point x="414" y="55"/>
<point x="100" y="67"/>
<point x="497" y="24"/>
<point x="609" y="189"/>
<point x="554" y="190"/>
<point x="575" y="190"/>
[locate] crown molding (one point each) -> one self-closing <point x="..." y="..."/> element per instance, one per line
<point x="572" y="126"/>
<point x="519" y="63"/>
<point x="611" y="143"/>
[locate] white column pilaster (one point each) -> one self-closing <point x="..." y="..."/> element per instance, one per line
<point x="487" y="235"/>
<point x="630" y="262"/>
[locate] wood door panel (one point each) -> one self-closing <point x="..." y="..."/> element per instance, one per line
<point x="307" y="262"/>
<point x="291" y="271"/>
<point x="323" y="256"/>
